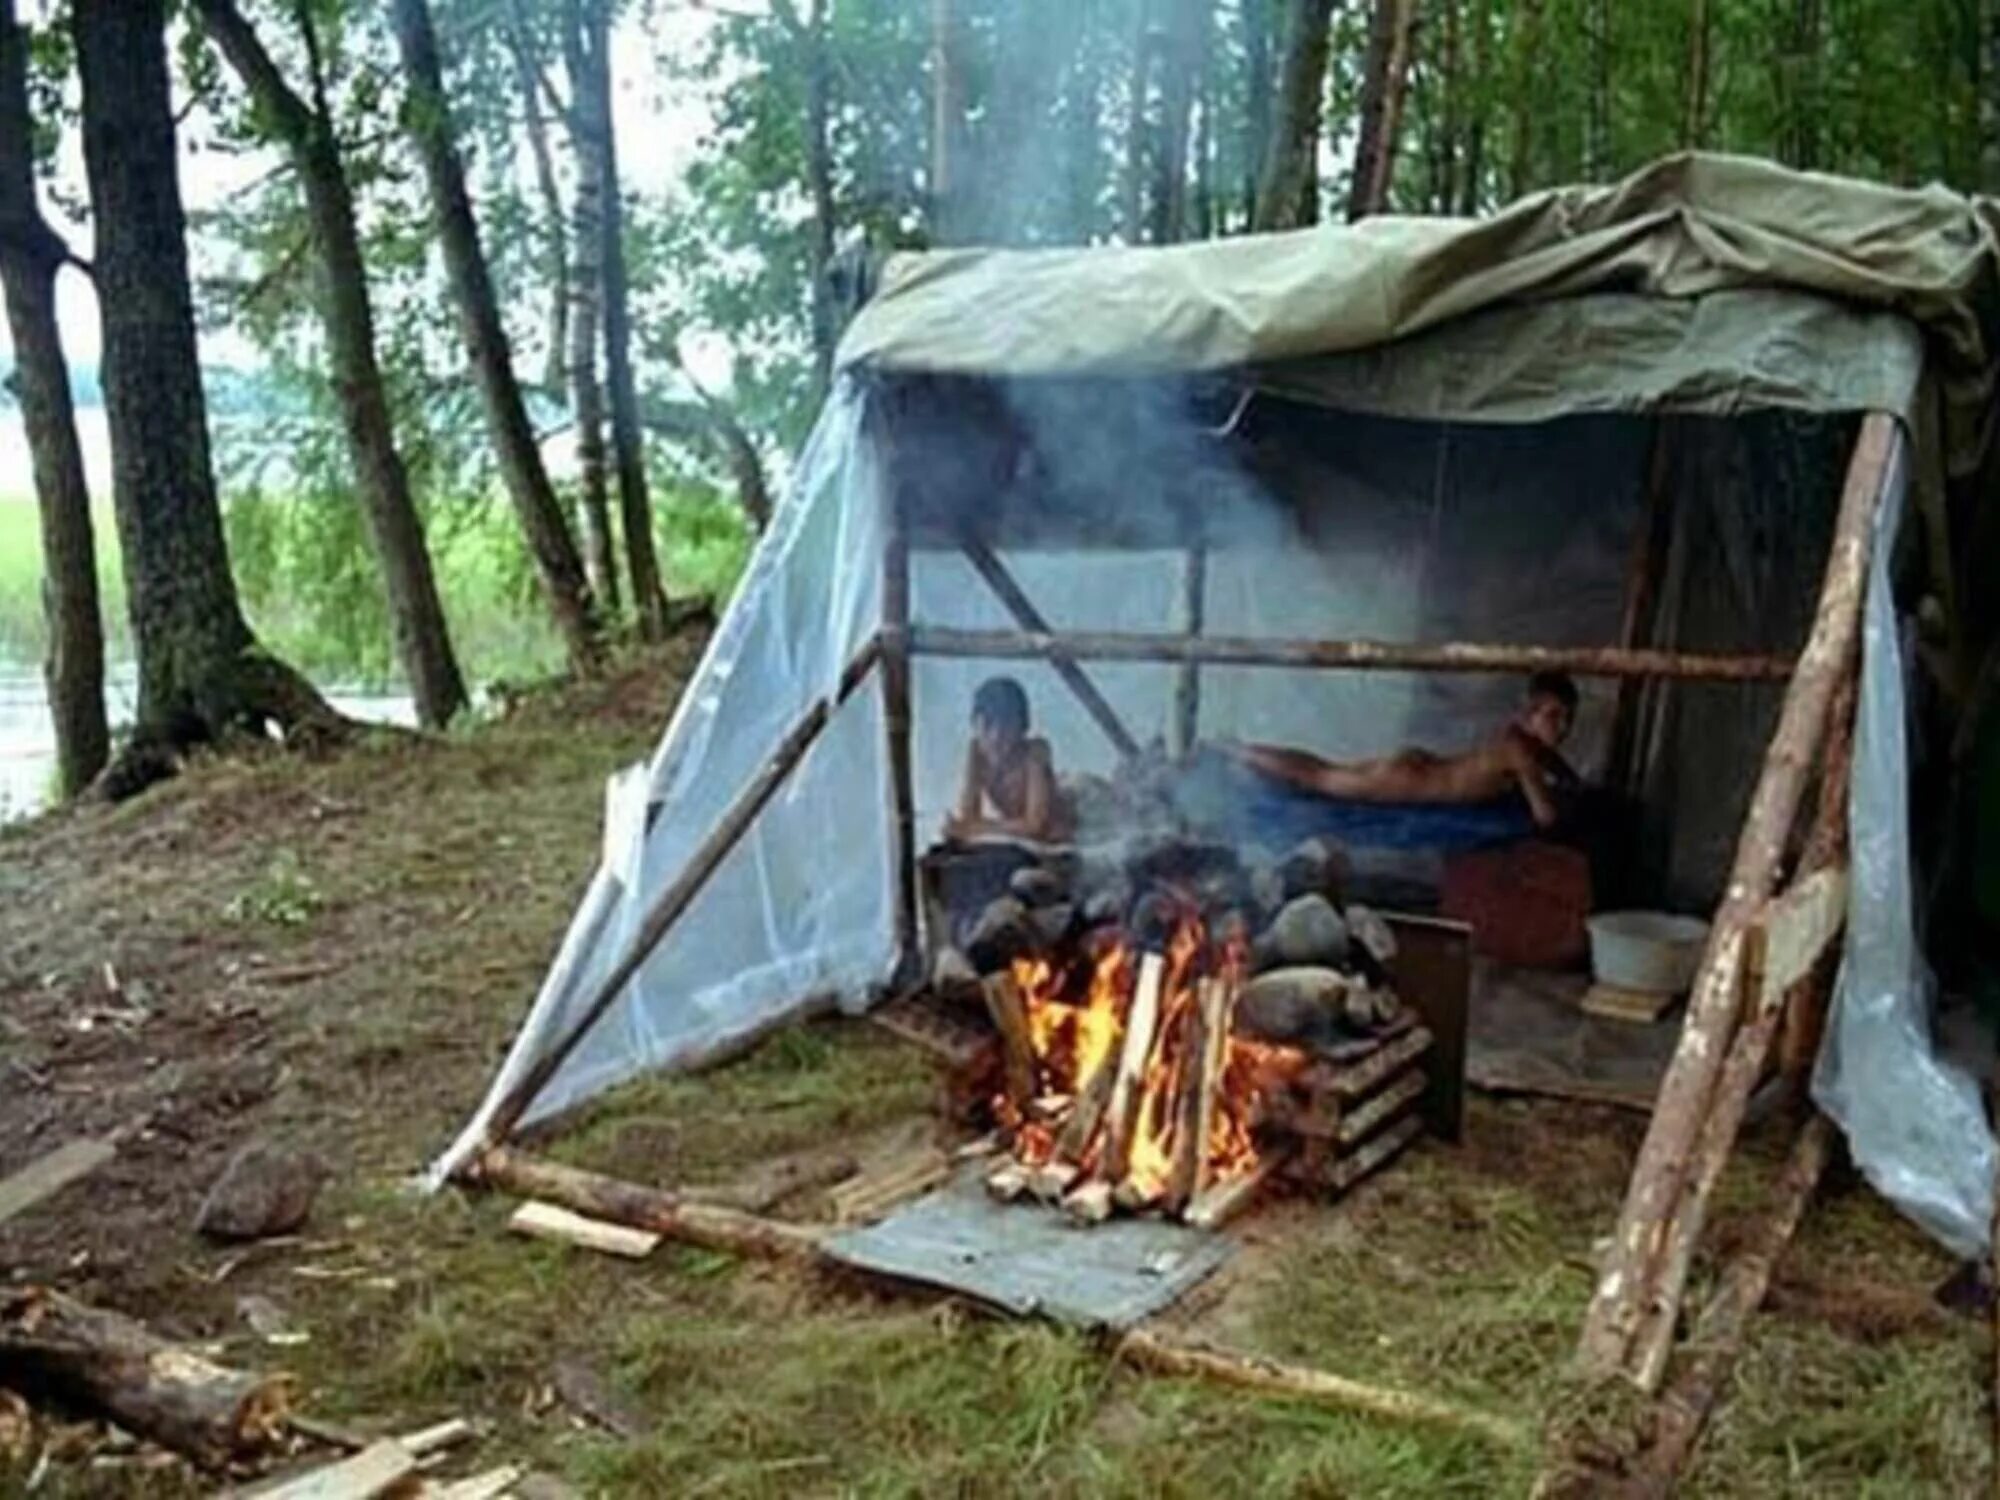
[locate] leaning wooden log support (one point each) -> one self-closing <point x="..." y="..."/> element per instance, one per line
<point x="1685" y="1406"/>
<point x="668" y="907"/>
<point x="1354" y="656"/>
<point x="637" y="1206"/>
<point x="106" y="1362"/>
<point x="1163" y="1354"/>
<point x="1639" y="1283"/>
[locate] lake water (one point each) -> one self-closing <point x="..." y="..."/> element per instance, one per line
<point x="28" y="740"/>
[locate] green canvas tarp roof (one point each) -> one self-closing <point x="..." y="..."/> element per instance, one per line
<point x="1703" y="282"/>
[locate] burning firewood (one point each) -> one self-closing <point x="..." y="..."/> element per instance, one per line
<point x="1051" y="1179"/>
<point x="1017" y="1049"/>
<point x="1208" y="1026"/>
<point x="1228" y="1198"/>
<point x="1121" y="1116"/>
<point x="1007" y="1181"/>
<point x="1091" y="1203"/>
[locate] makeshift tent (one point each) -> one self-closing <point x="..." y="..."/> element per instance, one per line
<point x="1337" y="487"/>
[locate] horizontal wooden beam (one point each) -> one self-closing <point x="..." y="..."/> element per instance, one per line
<point x="1363" y="656"/>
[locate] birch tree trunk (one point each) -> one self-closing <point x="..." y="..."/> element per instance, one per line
<point x="1288" y="185"/>
<point x="1180" y="55"/>
<point x="585" y="294"/>
<point x="30" y="257"/>
<point x="202" y="675"/>
<point x="416" y="614"/>
<point x="1256" y="99"/>
<point x="1597" y="119"/>
<point x="1134" y="221"/>
<point x="527" y="479"/>
<point x="1526" y="66"/>
<point x="1382" y="89"/>
<point x="521" y="43"/>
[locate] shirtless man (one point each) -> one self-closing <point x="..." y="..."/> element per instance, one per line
<point x="1008" y="772"/>
<point x="1521" y="756"/>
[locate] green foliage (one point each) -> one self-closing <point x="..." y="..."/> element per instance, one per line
<point x="283" y="895"/>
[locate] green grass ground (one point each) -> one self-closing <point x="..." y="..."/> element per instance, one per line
<point x="338" y="951"/>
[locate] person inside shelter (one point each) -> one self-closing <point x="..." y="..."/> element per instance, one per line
<point x="1008" y="789"/>
<point x="1524" y="755"/>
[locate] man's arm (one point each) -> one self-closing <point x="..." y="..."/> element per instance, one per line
<point x="963" y="819"/>
<point x="1527" y="769"/>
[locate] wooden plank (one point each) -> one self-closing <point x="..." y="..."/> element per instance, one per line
<point x="50" y="1174"/>
<point x="487" y="1486"/>
<point x="1351" y="1169"/>
<point x="882" y="1187"/>
<point x="375" y="1470"/>
<point x="1795" y="930"/>
<point x="547" y="1221"/>
<point x="1614" y="1003"/>
<point x="1229" y="1197"/>
<point x="1384" y="1106"/>
<point x="1121" y="1115"/>
<point x="1009" y="1010"/>
<point x="1358" y="1079"/>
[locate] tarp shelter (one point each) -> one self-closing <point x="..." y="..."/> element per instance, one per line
<point x="1335" y="487"/>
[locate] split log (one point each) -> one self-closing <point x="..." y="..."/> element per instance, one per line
<point x="1357" y="1080"/>
<point x="1356" y="656"/>
<point x="1163" y="1354"/>
<point x="881" y="1188"/>
<point x="1091" y="1102"/>
<point x="1229" y="1197"/>
<point x="1052" y="1179"/>
<point x="1007" y="1181"/>
<point x="1004" y="1003"/>
<point x="1351" y="1169"/>
<point x="1629" y="1282"/>
<point x="1207" y="1054"/>
<point x="1091" y="1203"/>
<point x="547" y="1221"/>
<point x="109" y="1363"/>
<point x="600" y="1197"/>
<point x="1397" y="1097"/>
<point x="1685" y="1407"/>
<point x="1122" y="1113"/>
<point x="487" y="1486"/>
<point x="377" y="1469"/>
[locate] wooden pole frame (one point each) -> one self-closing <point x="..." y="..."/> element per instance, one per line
<point x="1662" y="1189"/>
<point x="673" y="902"/>
<point x="1010" y="593"/>
<point x="1345" y="655"/>
<point x="1640" y="623"/>
<point x="1186" y="722"/>
<point x="896" y="695"/>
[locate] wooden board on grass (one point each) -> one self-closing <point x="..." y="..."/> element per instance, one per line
<point x="545" y="1221"/>
<point x="49" y="1174"/>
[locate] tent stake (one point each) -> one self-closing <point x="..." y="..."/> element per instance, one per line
<point x="1073" y="646"/>
<point x="679" y="895"/>
<point x="1022" y="608"/>
<point x="1629" y="1286"/>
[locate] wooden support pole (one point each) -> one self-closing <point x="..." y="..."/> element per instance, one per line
<point x="1122" y="1113"/>
<point x="1661" y="1175"/>
<point x="680" y="892"/>
<point x="1687" y="1403"/>
<point x="1359" y="656"/>
<point x="896" y="726"/>
<point x="1017" y="1048"/>
<point x="637" y="1206"/>
<point x="1161" y="1353"/>
<point x="1804" y="1025"/>
<point x="1642" y="589"/>
<point x="989" y="567"/>
<point x="1187" y="681"/>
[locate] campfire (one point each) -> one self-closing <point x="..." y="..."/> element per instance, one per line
<point x="1176" y="1059"/>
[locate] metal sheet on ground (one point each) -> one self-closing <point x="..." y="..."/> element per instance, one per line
<point x="1033" y="1260"/>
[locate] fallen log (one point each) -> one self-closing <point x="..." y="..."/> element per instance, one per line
<point x="1163" y="1354"/>
<point x="630" y="1203"/>
<point x="111" y="1364"/>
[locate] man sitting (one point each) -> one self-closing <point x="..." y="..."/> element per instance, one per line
<point x="1008" y="788"/>
<point x="1523" y="756"/>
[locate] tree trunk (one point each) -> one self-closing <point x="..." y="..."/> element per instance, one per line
<point x="1802" y="91"/>
<point x="1472" y="172"/>
<point x="555" y="228"/>
<point x="947" y="126"/>
<point x="1287" y="187"/>
<point x="1134" y="220"/>
<point x="1181" y="52"/>
<point x="628" y="450"/>
<point x="819" y="182"/>
<point x="1597" y="120"/>
<point x="30" y="257"/>
<point x="1083" y="120"/>
<point x="1382" y="89"/>
<point x="1526" y="70"/>
<point x="1694" y="122"/>
<point x="415" y="612"/>
<point x="586" y="294"/>
<point x="1256" y="99"/>
<point x="1450" y="124"/>
<point x="527" y="480"/>
<point x="1989" y="94"/>
<point x="202" y="674"/>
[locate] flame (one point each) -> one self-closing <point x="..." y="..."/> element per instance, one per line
<point x="1077" y="1016"/>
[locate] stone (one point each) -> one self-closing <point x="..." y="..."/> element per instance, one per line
<point x="1306" y="930"/>
<point x="267" y="1189"/>
<point x="1154" y="917"/>
<point x="1037" y="886"/>
<point x="1267" y="891"/>
<point x="1001" y="934"/>
<point x="1315" y="867"/>
<point x="1302" y="1005"/>
<point x="1107" y="904"/>
<point x="1053" y="923"/>
<point x="1369" y="930"/>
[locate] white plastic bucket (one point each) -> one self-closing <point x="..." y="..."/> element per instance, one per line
<point x="1654" y="952"/>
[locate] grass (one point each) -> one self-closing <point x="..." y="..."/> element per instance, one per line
<point x="441" y="875"/>
<point x="21" y="628"/>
